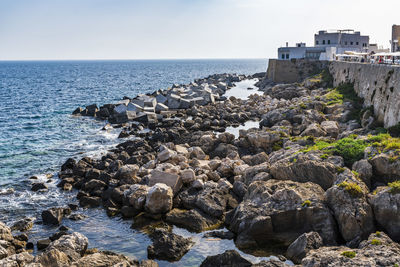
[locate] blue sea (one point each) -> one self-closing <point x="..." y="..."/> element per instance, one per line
<point x="37" y="134"/>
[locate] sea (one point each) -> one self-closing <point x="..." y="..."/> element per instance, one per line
<point x="38" y="133"/>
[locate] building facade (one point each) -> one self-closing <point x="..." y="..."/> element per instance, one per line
<point x="326" y="45"/>
<point x="343" y="40"/>
<point x="395" y="42"/>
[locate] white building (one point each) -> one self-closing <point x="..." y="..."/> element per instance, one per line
<point x="327" y="45"/>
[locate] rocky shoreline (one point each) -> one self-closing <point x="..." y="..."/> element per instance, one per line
<point x="317" y="181"/>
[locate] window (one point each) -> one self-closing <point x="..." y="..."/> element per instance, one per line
<point x="323" y="41"/>
<point x="345" y="43"/>
<point x="283" y="56"/>
<point x="329" y="41"/>
<point x="356" y="43"/>
<point x="316" y="42"/>
<point x="351" y="43"/>
<point x="287" y="56"/>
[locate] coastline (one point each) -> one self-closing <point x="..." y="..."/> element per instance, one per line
<point x="283" y="185"/>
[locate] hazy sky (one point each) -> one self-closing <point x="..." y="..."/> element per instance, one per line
<point x="151" y="29"/>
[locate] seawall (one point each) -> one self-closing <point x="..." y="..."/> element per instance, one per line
<point x="295" y="70"/>
<point x="378" y="85"/>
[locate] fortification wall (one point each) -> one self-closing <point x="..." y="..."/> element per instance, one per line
<point x="378" y="85"/>
<point x="295" y="70"/>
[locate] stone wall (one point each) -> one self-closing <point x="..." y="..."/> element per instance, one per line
<point x="294" y="70"/>
<point x="378" y="85"/>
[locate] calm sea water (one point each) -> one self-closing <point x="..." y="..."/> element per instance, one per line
<point x="37" y="134"/>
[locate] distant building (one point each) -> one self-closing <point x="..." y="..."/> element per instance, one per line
<point x="395" y="38"/>
<point x="327" y="45"/>
<point x="343" y="40"/>
<point x="374" y="48"/>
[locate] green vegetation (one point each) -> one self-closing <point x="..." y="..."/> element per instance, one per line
<point x="277" y="146"/>
<point x="324" y="156"/>
<point x="385" y="142"/>
<point x="303" y="106"/>
<point x="344" y="92"/>
<point x="396" y="265"/>
<point x="394" y="187"/>
<point x="339" y="169"/>
<point x="318" y="145"/>
<point x="306" y="203"/>
<point x="352" y="188"/>
<point x="376" y="242"/>
<point x="378" y="233"/>
<point x="348" y="254"/>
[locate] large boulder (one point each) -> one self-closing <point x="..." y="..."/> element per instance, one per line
<point x="364" y="169"/>
<point x="103" y="258"/>
<point x="73" y="245"/>
<point x="348" y="202"/>
<point x="20" y="259"/>
<point x="302" y="245"/>
<point x="263" y="140"/>
<point x="136" y="196"/>
<point x="5" y="232"/>
<point x="378" y="250"/>
<point x="168" y="246"/>
<point x="331" y="128"/>
<point x="228" y="258"/>
<point x="385" y="203"/>
<point x="193" y="220"/>
<point x="52" y="216"/>
<point x="385" y="167"/>
<point x="127" y="174"/>
<point x="159" y="199"/>
<point x="305" y="168"/>
<point x="280" y="211"/>
<point x="172" y="180"/>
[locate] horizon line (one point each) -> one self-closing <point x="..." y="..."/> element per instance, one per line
<point x="126" y="59"/>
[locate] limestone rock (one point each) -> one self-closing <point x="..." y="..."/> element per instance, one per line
<point x="73" y="245"/>
<point x="174" y="181"/>
<point x="159" y="199"/>
<point x="281" y="211"/>
<point x="302" y="245"/>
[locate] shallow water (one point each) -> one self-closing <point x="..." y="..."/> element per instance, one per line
<point x="243" y="89"/>
<point x="37" y="134"/>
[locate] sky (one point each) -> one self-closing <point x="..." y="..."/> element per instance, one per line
<point x="179" y="29"/>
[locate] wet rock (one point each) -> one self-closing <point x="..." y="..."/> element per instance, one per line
<point x="43" y="243"/>
<point x="302" y="245"/>
<point x="38" y="186"/>
<point x="90" y="202"/>
<point x="280" y="211"/>
<point x="168" y="246"/>
<point x="228" y="258"/>
<point x="220" y="234"/>
<point x="53" y="216"/>
<point x="77" y="217"/>
<point x="23" y="225"/>
<point x="193" y="220"/>
<point x="385" y="203"/>
<point x="159" y="199"/>
<point x="212" y="199"/>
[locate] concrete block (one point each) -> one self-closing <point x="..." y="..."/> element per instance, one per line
<point x="172" y="180"/>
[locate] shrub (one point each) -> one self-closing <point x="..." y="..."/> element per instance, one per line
<point x="303" y="106"/>
<point x="348" y="254"/>
<point x="352" y="188"/>
<point x="350" y="149"/>
<point x="339" y="169"/>
<point x="324" y="156"/>
<point x="376" y="242"/>
<point x="394" y="187"/>
<point x="277" y="146"/>
<point x="378" y="233"/>
<point x="306" y="203"/>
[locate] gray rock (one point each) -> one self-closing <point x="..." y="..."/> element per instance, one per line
<point x="364" y="169"/>
<point x="53" y="216"/>
<point x="302" y="245"/>
<point x="228" y="258"/>
<point x="168" y="246"/>
<point x="159" y="199"/>
<point x="281" y="211"/>
<point x="193" y="220"/>
<point x="174" y="181"/>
